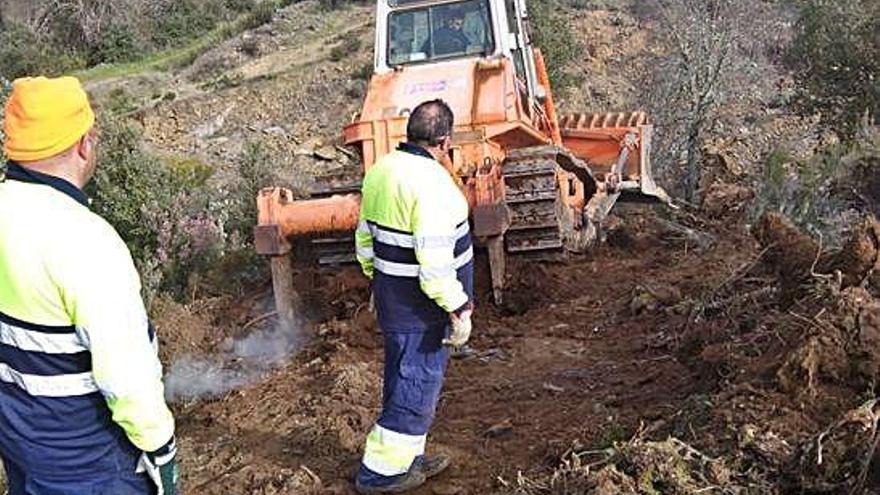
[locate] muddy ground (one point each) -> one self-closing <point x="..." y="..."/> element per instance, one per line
<point x="653" y="336"/>
<point x="583" y="352"/>
<point x="687" y="354"/>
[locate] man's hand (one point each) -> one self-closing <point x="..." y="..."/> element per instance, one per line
<point x="461" y="327"/>
<point x="161" y="467"/>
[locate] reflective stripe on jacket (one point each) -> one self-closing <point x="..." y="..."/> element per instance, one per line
<point x="80" y="378"/>
<point x="414" y="241"/>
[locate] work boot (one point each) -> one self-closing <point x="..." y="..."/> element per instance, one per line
<point x="413" y="478"/>
<point x="431" y="466"/>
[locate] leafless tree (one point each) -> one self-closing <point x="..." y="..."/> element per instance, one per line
<point x="711" y="52"/>
<point x="79" y="22"/>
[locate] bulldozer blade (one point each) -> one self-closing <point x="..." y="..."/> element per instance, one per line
<point x="599" y="139"/>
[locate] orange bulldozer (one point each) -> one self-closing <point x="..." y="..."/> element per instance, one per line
<point x="536" y="182"/>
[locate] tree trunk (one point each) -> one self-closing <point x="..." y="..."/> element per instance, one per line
<point x="692" y="180"/>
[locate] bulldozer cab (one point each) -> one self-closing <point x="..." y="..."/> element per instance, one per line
<point x="419" y="32"/>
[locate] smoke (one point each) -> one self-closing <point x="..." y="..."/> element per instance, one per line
<point x="247" y="361"/>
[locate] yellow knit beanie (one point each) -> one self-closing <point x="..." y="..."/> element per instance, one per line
<point x="45" y="117"/>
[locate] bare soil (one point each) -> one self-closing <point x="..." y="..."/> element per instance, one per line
<point x="685" y="355"/>
<point x="647" y="359"/>
<point x="569" y="360"/>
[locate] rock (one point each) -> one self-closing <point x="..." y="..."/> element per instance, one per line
<point x="499" y="429"/>
<point x="327" y="153"/>
<point x="276" y="131"/>
<point x="552" y="388"/>
<point x="211" y="127"/>
<point x="309" y="147"/>
<point x="649" y="299"/>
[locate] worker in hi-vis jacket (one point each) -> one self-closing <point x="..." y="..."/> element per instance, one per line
<point x="82" y="408"/>
<point x="413" y="241"/>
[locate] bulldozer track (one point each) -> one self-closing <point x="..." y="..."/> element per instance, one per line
<point x="532" y="195"/>
<point x="337" y="248"/>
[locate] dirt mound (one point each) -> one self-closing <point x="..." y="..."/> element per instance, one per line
<point x="790" y="252"/>
<point x="184" y="329"/>
<point x="290" y="433"/>
<point x="843" y="345"/>
<point x="726" y="200"/>
<point x="859" y="259"/>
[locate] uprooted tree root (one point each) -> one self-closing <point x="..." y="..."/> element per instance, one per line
<point x="837" y="460"/>
<point x="638" y="467"/>
<point x="830" y="302"/>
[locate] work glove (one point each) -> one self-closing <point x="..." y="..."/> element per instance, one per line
<point x="161" y="467"/>
<point x="461" y="327"/>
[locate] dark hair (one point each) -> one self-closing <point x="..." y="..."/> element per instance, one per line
<point x="429" y="123"/>
<point x="455" y="13"/>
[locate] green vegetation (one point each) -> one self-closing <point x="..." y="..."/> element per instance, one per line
<point x="186" y="231"/>
<point x="348" y="46"/>
<point x="554" y="36"/>
<point x="5" y="88"/>
<point x="835" y="60"/>
<point x="822" y="193"/>
<point x="151" y="37"/>
<point x="23" y="52"/>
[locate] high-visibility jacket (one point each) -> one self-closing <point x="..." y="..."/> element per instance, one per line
<point x="80" y="378"/>
<point x="413" y="241"/>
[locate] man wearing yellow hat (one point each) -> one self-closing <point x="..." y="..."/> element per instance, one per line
<point x="81" y="396"/>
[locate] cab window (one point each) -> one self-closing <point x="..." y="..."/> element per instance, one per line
<point x="440" y="32"/>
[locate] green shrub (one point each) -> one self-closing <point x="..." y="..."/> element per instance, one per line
<point x="349" y="45"/>
<point x="835" y="61"/>
<point x="262" y="13"/>
<point x="23" y="53"/>
<point x="182" y="21"/>
<point x="254" y="172"/>
<point x="186" y="231"/>
<point x="117" y="44"/>
<point x="239" y="6"/>
<point x="553" y="34"/>
<point x="128" y="183"/>
<point x="119" y="102"/>
<point x="821" y="194"/>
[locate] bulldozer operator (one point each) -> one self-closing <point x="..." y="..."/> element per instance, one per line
<point x="449" y="39"/>
<point x="414" y="242"/>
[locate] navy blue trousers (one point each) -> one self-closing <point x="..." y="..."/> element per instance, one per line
<point x="415" y="363"/>
<point x="414" y="367"/>
<point x="112" y="483"/>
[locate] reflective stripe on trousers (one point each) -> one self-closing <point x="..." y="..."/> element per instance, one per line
<point x="112" y="483"/>
<point x="390" y="453"/>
